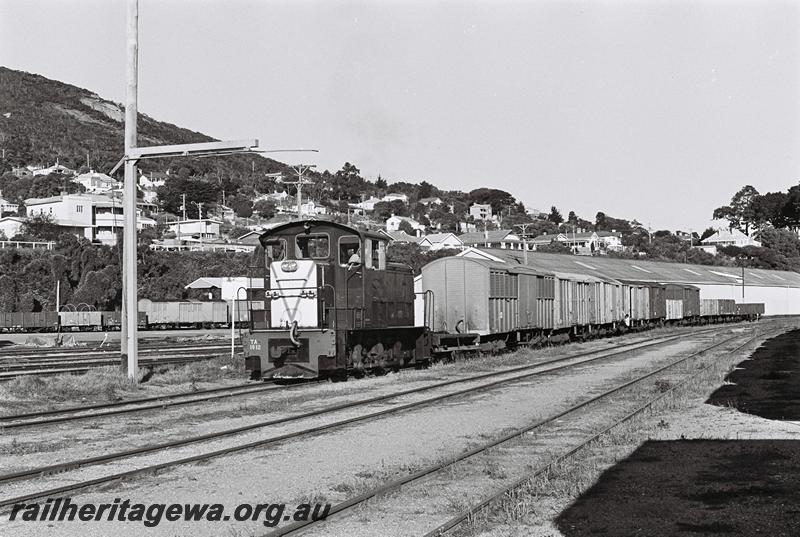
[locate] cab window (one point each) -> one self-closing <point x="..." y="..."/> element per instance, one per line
<point x="349" y="250"/>
<point x="375" y="254"/>
<point x="275" y="250"/>
<point x="312" y="247"/>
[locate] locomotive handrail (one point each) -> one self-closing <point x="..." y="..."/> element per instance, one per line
<point x="293" y="334"/>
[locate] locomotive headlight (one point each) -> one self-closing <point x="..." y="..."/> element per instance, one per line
<point x="289" y="266"/>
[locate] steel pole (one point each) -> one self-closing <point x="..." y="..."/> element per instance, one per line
<point x="129" y="307"/>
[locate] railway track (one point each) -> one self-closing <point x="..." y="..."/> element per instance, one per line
<point x="61" y="354"/>
<point x="78" y="362"/>
<point x="422" y="475"/>
<point x="101" y="410"/>
<point x="494" y="379"/>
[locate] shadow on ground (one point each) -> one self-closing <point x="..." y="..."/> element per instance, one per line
<point x="768" y="383"/>
<point x="694" y="488"/>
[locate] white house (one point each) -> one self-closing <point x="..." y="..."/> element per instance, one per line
<point x="11" y="226"/>
<point x="92" y="216"/>
<point x="206" y="228"/>
<point x="401" y="236"/>
<point x="228" y="286"/>
<point x="439" y="241"/>
<point x="480" y="211"/>
<point x="393" y="224"/>
<point x="310" y="208"/>
<point x="95" y="182"/>
<point x="74" y="212"/>
<point x="153" y="180"/>
<point x="56" y="168"/>
<point x="7" y="206"/>
<point x="430" y="201"/>
<point x="499" y="238"/>
<point x="394" y="196"/>
<point x="366" y="205"/>
<point x="730" y="237"/>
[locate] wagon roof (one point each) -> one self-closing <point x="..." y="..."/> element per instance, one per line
<point x="489" y="264"/>
<point x="643" y="271"/>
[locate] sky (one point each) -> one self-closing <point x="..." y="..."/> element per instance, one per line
<point x="651" y="110"/>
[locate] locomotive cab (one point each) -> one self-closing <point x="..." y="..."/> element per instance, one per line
<point x="332" y="304"/>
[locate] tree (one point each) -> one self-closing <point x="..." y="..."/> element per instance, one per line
<point x="41" y="226"/>
<point x="768" y="209"/>
<point x="197" y="191"/>
<point x="408" y="228"/>
<point x="739" y="213"/>
<point x="380" y="182"/>
<point x="555" y="247"/>
<point x="555" y="215"/>
<point x="265" y="208"/>
<point x="707" y="233"/>
<point x="498" y="199"/>
<point x="242" y="207"/>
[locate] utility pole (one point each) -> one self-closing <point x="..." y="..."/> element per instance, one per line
<point x="129" y="343"/>
<point x="200" y="221"/>
<point x="300" y="169"/>
<point x="524" y="229"/>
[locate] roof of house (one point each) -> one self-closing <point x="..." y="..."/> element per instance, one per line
<point x="726" y="235"/>
<point x="440" y="237"/>
<point x="402" y="236"/>
<point x="480" y="237"/>
<point x="425" y="201"/>
<point x="404" y="219"/>
<point x="227" y="284"/>
<point x="640" y="270"/>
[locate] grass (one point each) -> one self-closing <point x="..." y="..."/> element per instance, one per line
<point x="107" y="384"/>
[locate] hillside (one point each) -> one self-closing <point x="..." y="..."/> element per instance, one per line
<point x="43" y="119"/>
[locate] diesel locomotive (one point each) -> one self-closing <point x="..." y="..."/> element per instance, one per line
<point x="332" y="305"/>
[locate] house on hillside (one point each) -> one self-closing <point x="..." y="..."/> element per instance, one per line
<point x="499" y="238"/>
<point x="95" y="217"/>
<point x="440" y="241"/>
<point x="202" y="229"/>
<point x="401" y="236"/>
<point x="153" y="180"/>
<point x="393" y="224"/>
<point x="582" y="242"/>
<point x="55" y="168"/>
<point x="730" y="237"/>
<point x="7" y="206"/>
<point x="394" y="196"/>
<point x="11" y="226"/>
<point x="95" y="182"/>
<point x="480" y="211"/>
<point x="430" y="201"/>
<point x="367" y="205"/>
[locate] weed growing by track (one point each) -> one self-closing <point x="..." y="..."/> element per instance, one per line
<point x="110" y="383"/>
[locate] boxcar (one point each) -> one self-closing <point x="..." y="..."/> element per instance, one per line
<point x="40" y="321"/>
<point x="636" y="302"/>
<point x="750" y="311"/>
<point x="480" y="301"/>
<point x="80" y="320"/>
<point x="175" y="314"/>
<point x="717" y="307"/>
